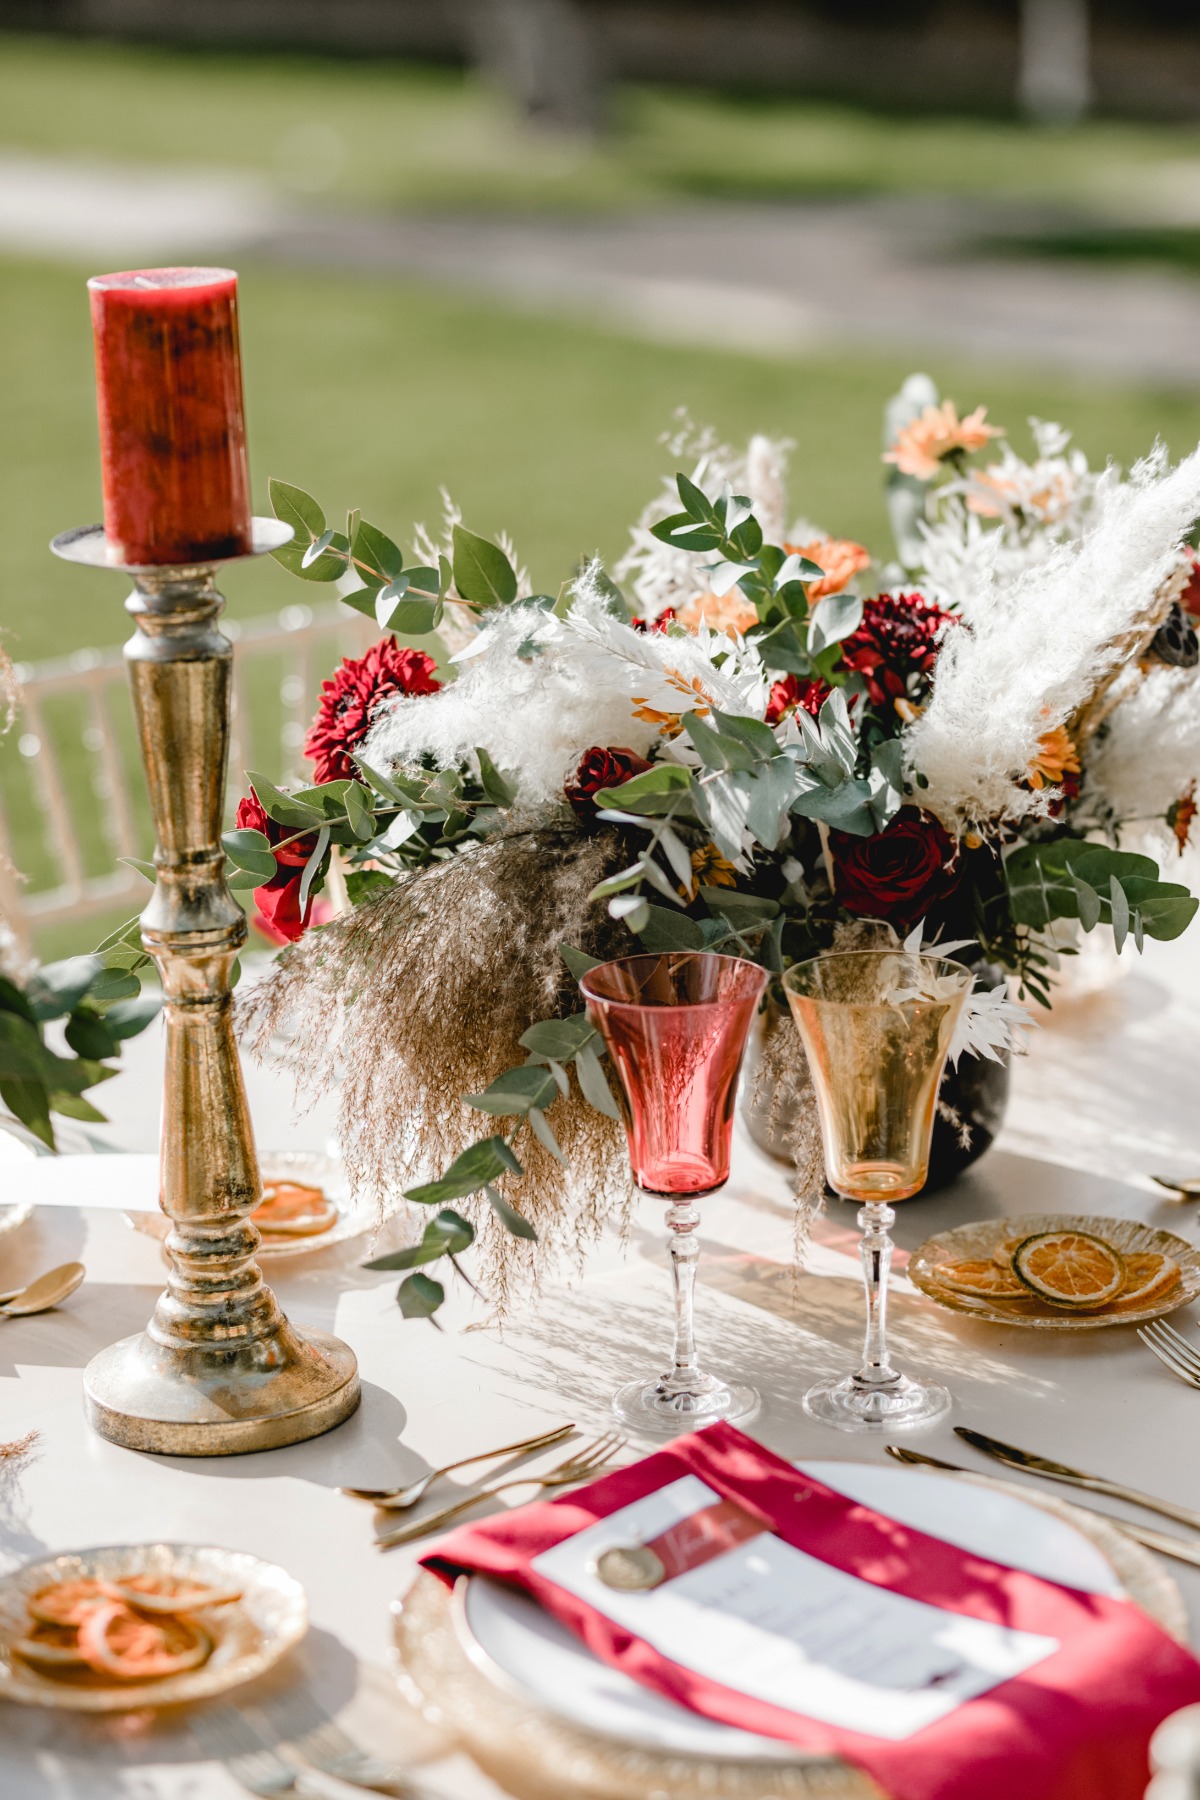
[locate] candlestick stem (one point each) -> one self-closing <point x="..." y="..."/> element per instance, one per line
<point x="219" y="1369"/>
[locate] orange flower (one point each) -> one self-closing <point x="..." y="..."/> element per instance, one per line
<point x="1056" y="761"/>
<point x="730" y="612"/>
<point x="939" y="432"/>
<point x="1181" y="816"/>
<point x="840" y="558"/>
<point x="994" y="493"/>
<point x="670" y="724"/>
<point x="711" y="869"/>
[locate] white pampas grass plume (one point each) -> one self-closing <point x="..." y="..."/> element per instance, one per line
<point x="766" y="488"/>
<point x="1148" y="753"/>
<point x="1038" y="651"/>
<point x="524" y="694"/>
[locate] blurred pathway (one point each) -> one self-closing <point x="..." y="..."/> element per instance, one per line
<point x="771" y="280"/>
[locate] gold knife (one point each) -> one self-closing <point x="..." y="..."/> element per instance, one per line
<point x="1056" y="1471"/>
<point x="1162" y="1541"/>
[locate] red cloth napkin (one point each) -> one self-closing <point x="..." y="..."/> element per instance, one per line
<point x="1074" y="1726"/>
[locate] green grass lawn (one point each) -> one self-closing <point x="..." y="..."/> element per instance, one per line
<point x="373" y="394"/>
<point x="396" y="134"/>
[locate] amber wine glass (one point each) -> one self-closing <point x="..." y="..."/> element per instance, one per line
<point x="877" y="1026"/>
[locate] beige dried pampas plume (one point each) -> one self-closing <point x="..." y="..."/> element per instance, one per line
<point x="412" y="1000"/>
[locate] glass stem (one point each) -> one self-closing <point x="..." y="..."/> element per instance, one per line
<point x="876" y="1251"/>
<point x="683" y="1219"/>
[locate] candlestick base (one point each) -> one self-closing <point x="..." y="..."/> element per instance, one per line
<point x="218" y="1370"/>
<point x="145" y="1395"/>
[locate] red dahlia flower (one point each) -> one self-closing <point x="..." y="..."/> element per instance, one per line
<point x="659" y="624"/>
<point x="600" y="767"/>
<point x="790" y="693"/>
<point x="900" y="635"/>
<point x="278" y="901"/>
<point x="899" y="873"/>
<point x="350" y="698"/>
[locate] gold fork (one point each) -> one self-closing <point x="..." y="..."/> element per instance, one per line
<point x="579" y="1466"/>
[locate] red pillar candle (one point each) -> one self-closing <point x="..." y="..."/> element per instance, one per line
<point x="172" y="428"/>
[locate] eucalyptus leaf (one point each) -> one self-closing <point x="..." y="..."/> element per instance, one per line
<point x="500" y="789"/>
<point x="446" y="1234"/>
<point x="577" y="961"/>
<point x="508" y="1215"/>
<point x="665" y="930"/>
<point x="420" y="1296"/>
<point x="834" y="618"/>
<point x="250" y="850"/>
<point x="560" y="1039"/>
<point x="593" y="1083"/>
<point x="143" y="868"/>
<point x="516" y="1091"/>
<point x="696" y="502"/>
<point x="471" y="1170"/>
<point x="312" y="867"/>
<point x="358" y="811"/>
<point x="654" y="792"/>
<point x="483" y="574"/>
<point x="544" y="1134"/>
<point x="285" y="809"/>
<point x="377" y="559"/>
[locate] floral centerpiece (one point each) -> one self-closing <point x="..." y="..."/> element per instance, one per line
<point x="752" y="737"/>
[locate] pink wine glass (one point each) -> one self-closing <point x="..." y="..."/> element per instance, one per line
<point x="675" y="1027"/>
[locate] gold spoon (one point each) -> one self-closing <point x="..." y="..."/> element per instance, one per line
<point x="1188" y="1186"/>
<point x="45" y="1292"/>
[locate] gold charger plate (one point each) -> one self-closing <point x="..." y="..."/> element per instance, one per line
<point x="975" y="1243"/>
<point x="537" y="1755"/>
<point x="249" y="1634"/>
<point x="311" y="1170"/>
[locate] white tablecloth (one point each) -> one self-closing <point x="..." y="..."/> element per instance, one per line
<point x="1108" y="1093"/>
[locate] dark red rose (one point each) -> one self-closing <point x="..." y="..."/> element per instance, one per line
<point x="899" y="636"/>
<point x="597" y="768"/>
<point x="660" y="624"/>
<point x="278" y="900"/>
<point x="1189" y="599"/>
<point x="350" y="697"/>
<point x="898" y="874"/>
<point x="790" y="693"/>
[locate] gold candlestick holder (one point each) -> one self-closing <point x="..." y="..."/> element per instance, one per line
<point x="218" y="1370"/>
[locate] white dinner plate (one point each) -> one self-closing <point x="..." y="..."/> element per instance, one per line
<point x="518" y="1646"/>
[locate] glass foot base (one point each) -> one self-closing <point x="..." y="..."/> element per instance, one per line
<point x="901" y="1406"/>
<point x="650" y="1405"/>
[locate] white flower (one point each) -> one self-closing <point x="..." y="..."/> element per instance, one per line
<point x="989" y="1023"/>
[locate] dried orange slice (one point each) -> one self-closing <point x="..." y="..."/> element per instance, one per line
<point x="122" y="1644"/>
<point x="52" y="1648"/>
<point x="290" y="1209"/>
<point x="1147" y="1272"/>
<point x="1069" y="1268"/>
<point x="171" y="1594"/>
<point x="982" y="1280"/>
<point x="68" y="1602"/>
<point x="1002" y="1255"/>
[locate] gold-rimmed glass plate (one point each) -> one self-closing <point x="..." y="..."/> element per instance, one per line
<point x="533" y="1704"/>
<point x="249" y="1634"/>
<point x="354" y="1217"/>
<point x="977" y="1242"/>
